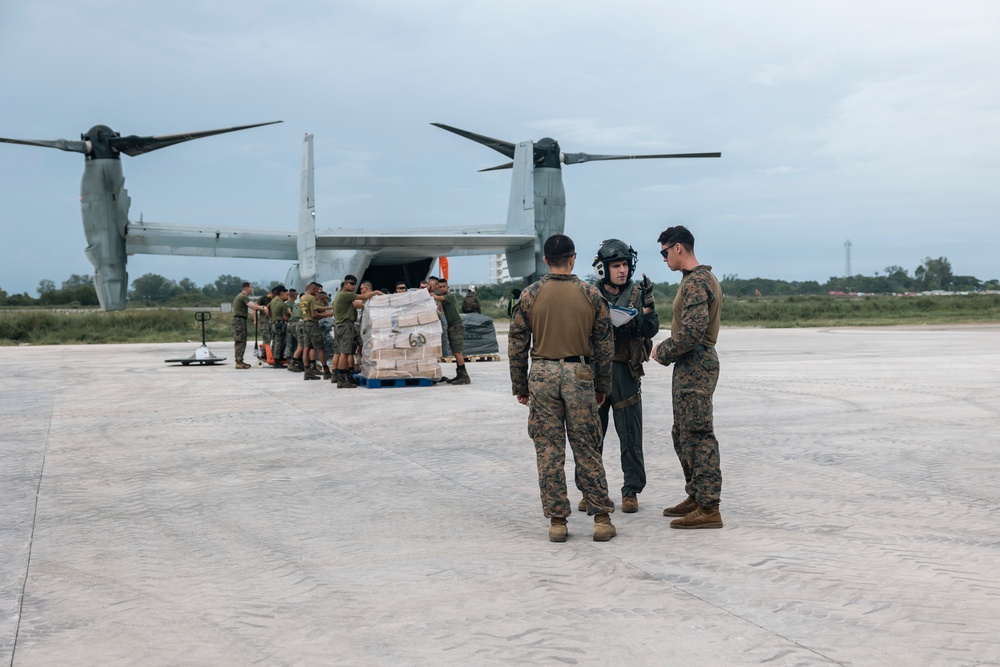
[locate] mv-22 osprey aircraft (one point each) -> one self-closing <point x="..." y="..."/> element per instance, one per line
<point x="537" y="209"/>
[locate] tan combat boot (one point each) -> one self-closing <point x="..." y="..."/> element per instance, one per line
<point x="582" y="507"/>
<point x="604" y="530"/>
<point x="682" y="508"/>
<point x="699" y="518"/>
<point x="630" y="504"/>
<point x="558" y="531"/>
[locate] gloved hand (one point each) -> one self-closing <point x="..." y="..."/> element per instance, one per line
<point x="647" y="292"/>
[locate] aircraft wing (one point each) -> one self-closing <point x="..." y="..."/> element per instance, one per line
<point x="150" y="238"/>
<point x="402" y="244"/>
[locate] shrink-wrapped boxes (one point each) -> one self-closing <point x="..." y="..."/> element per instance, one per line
<point x="401" y="337"/>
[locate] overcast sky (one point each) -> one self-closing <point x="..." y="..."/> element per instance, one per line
<point x="877" y="122"/>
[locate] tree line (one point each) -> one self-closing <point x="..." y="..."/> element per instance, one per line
<point x="153" y="289"/>
<point x="931" y="275"/>
<point x="149" y="289"/>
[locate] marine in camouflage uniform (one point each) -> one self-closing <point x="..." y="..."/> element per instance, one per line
<point x="278" y="310"/>
<point x="614" y="265"/>
<point x="241" y="308"/>
<point x="694" y="331"/>
<point x="454" y="332"/>
<point x="311" y="338"/>
<point x="291" y="331"/>
<point x="264" y="320"/>
<point x="565" y="325"/>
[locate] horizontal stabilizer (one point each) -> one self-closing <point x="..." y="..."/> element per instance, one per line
<point x="150" y="238"/>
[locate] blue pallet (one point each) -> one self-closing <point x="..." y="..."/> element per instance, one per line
<point x="376" y="383"/>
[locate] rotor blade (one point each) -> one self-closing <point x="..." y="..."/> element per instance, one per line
<point x="576" y="158"/>
<point x="61" y="144"/>
<point x="133" y="145"/>
<point x="502" y="147"/>
<point x="506" y="165"/>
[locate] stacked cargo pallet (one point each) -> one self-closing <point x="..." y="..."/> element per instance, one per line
<point x="401" y="337"/>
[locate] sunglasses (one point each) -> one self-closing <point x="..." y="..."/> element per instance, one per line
<point x="664" y="252"/>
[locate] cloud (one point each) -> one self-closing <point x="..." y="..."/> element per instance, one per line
<point x="933" y="129"/>
<point x="585" y="134"/>
<point x="779" y="171"/>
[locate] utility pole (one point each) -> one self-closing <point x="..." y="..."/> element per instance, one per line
<point x="847" y="245"/>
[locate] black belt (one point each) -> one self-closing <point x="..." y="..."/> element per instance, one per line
<point x="571" y="360"/>
<point x="575" y="360"/>
<point x="242" y="317"/>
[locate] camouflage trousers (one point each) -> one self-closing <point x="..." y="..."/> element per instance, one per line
<point x="240" y="337"/>
<point x="561" y="401"/>
<point x="279" y="329"/>
<point x="695" y="376"/>
<point x="291" y="339"/>
<point x="266" y="330"/>
<point x="626" y="395"/>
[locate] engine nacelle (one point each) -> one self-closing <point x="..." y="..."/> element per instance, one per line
<point x="105" y="203"/>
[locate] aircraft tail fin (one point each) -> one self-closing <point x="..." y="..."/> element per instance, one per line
<point x="521" y="210"/>
<point x="306" y="242"/>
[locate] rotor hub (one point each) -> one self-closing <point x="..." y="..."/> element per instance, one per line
<point x="547" y="153"/>
<point x="98" y="143"/>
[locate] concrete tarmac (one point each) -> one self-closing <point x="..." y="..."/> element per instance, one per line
<point x="167" y="515"/>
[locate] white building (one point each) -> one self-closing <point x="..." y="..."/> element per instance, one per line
<point x="498" y="269"/>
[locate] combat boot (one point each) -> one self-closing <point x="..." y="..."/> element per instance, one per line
<point x="558" y="531"/>
<point x="682" y="508"/>
<point x="310" y="374"/>
<point x="701" y="517"/>
<point x="295" y="366"/>
<point x="461" y="376"/>
<point x="582" y="507"/>
<point x="344" y="383"/>
<point x="630" y="504"/>
<point x="327" y="375"/>
<point x="604" y="530"/>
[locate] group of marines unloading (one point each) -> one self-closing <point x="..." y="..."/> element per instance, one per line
<point x="302" y="335"/>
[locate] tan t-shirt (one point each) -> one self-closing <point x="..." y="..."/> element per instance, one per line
<point x="562" y="318"/>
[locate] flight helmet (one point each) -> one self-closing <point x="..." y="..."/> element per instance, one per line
<point x="610" y="251"/>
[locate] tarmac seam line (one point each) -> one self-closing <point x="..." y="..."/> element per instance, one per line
<point x="34" y="513"/>
<point x="724" y="610"/>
